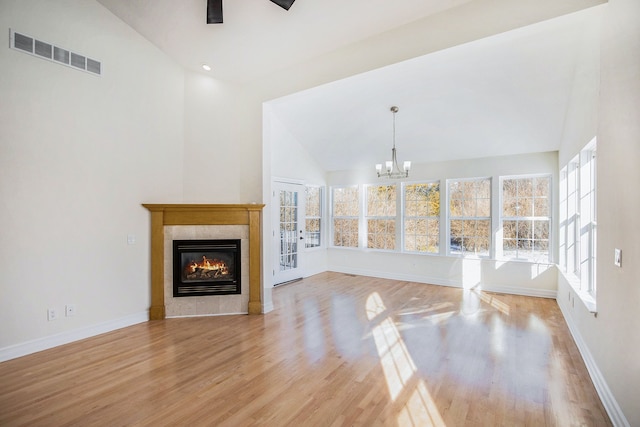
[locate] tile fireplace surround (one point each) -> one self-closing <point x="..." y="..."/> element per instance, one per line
<point x="244" y="221"/>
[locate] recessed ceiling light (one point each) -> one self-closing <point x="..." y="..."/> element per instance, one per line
<point x="206" y="67"/>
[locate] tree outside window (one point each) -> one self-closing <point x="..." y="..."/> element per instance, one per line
<point x="470" y="216"/>
<point x="526" y="219"/>
<point x="422" y="217"/>
<point x="313" y="217"/>
<point x="345" y="214"/>
<point x="381" y="217"/>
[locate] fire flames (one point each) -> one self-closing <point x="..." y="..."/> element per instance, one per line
<point x="207" y="267"/>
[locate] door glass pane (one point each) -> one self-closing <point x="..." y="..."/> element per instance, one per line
<point x="288" y="230"/>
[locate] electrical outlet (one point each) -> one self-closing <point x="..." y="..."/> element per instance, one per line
<point x="70" y="310"/>
<point x="52" y="314"/>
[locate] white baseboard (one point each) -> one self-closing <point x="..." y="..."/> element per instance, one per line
<point x="45" y="343"/>
<point x="186" y="316"/>
<point x="395" y="276"/>
<point x="529" y="292"/>
<point x="267" y="308"/>
<point x="312" y="272"/>
<point x="608" y="400"/>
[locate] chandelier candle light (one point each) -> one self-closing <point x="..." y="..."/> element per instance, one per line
<point x="391" y="166"/>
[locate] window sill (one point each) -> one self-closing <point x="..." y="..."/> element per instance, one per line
<point x="524" y="260"/>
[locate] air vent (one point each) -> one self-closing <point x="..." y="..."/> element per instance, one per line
<point x="93" y="66"/>
<point x="78" y="61"/>
<point x="50" y="52"/>
<point x="61" y="55"/>
<point x="44" y="49"/>
<point x="23" y="43"/>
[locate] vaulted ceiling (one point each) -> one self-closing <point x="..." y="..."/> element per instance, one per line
<point x="503" y="94"/>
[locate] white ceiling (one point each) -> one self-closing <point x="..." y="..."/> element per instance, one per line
<point x="506" y="94"/>
<point x="258" y="36"/>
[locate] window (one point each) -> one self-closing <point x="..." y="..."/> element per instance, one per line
<point x="578" y="222"/>
<point x="571" y="217"/>
<point x="381" y="216"/>
<point x="526" y="219"/>
<point x="422" y="217"/>
<point x="588" y="223"/>
<point x="470" y="216"/>
<point x="408" y="218"/>
<point x="345" y="215"/>
<point x="313" y="217"/>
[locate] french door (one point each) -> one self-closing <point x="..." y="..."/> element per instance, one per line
<point x="288" y="231"/>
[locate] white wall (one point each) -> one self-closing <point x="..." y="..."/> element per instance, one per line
<point x="503" y="276"/>
<point x="290" y="161"/>
<point x="288" y="158"/>
<point x="78" y="155"/>
<point x="581" y="118"/>
<point x="610" y="341"/>
<point x="221" y="165"/>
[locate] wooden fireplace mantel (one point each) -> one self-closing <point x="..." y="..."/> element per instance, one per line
<point x="197" y="214"/>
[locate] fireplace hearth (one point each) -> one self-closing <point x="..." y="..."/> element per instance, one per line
<point x="206" y="267"/>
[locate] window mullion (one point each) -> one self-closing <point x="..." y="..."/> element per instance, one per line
<point x="400" y="218"/>
<point x="362" y="219"/>
<point x="445" y="217"/>
<point x="495" y="245"/>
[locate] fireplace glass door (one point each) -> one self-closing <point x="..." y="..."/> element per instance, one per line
<point x="206" y="267"/>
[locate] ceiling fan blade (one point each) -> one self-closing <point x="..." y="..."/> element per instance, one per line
<point x="285" y="4"/>
<point x="214" y="11"/>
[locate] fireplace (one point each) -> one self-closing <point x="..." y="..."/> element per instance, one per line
<point x="206" y="267"/>
<point x="170" y="222"/>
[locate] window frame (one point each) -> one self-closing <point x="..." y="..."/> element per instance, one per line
<point x="404" y="218"/>
<point x="578" y="223"/>
<point x="391" y="217"/>
<point x="335" y="217"/>
<point x="530" y="218"/>
<point x="588" y="220"/>
<point x="319" y="217"/>
<point x="489" y="219"/>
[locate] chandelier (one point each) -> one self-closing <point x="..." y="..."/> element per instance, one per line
<point x="392" y="170"/>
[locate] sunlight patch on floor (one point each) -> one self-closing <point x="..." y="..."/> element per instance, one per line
<point x="441" y="317"/>
<point x="470" y="305"/>
<point x="537" y="325"/>
<point x="498" y="344"/>
<point x="494" y="302"/>
<point x="399" y="369"/>
<point x="420" y="409"/>
<point x="426" y="309"/>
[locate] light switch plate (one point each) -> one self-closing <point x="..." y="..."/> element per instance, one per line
<point x="617" y="258"/>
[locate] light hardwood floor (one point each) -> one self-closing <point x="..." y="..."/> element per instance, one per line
<point x="338" y="350"/>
